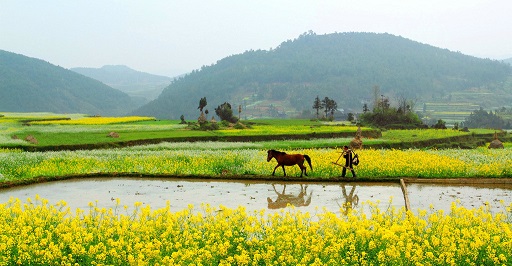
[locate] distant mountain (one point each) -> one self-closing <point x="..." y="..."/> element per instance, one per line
<point x="346" y="67"/>
<point x="33" y="85"/>
<point x="509" y="61"/>
<point x="141" y="86"/>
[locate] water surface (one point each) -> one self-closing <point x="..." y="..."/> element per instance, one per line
<point x="257" y="195"/>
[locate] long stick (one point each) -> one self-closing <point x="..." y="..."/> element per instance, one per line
<point x="342" y="165"/>
<point x="342" y="153"/>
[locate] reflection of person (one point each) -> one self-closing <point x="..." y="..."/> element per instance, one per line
<point x="350" y="199"/>
<point x="347" y="154"/>
<point x="284" y="199"/>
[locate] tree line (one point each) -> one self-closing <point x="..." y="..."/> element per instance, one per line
<point x="344" y="66"/>
<point x="328" y="105"/>
<point x="383" y="114"/>
<point x="483" y="119"/>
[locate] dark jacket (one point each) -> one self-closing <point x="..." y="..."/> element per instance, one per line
<point x="348" y="158"/>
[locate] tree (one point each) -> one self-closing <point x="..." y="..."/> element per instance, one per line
<point x="482" y="119"/>
<point x="325" y="105"/>
<point x="440" y="124"/>
<point x="365" y="108"/>
<point x="385" y="103"/>
<point x="202" y="104"/>
<point x="330" y="106"/>
<point x="317" y="105"/>
<point x="350" y="117"/>
<point x="383" y="115"/>
<point x="333" y="106"/>
<point x="202" y="117"/>
<point x="405" y="105"/>
<point x="376" y="93"/>
<point x="225" y="113"/>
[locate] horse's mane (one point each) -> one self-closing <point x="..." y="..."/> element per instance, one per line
<point x="279" y="152"/>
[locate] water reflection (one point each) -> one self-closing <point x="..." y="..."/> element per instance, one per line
<point x="255" y="195"/>
<point x="441" y="196"/>
<point x="351" y="199"/>
<point x="283" y="199"/>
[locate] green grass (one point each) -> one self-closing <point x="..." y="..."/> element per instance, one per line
<point x="73" y="135"/>
<point x="422" y="134"/>
<point x="55" y="135"/>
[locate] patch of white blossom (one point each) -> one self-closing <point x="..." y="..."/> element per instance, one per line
<point x="199" y="145"/>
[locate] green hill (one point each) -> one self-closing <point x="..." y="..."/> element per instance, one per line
<point x="139" y="85"/>
<point x="345" y="67"/>
<point x="33" y="85"/>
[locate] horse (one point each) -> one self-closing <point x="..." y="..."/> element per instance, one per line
<point x="284" y="159"/>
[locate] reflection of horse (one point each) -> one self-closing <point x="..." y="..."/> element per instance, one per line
<point x="283" y="159"/>
<point x="284" y="199"/>
<point x="351" y="200"/>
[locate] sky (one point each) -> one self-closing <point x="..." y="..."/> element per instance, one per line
<point x="174" y="37"/>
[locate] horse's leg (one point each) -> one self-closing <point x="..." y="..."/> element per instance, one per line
<point x="302" y="169"/>
<point x="276" y="168"/>
<point x="305" y="169"/>
<point x="284" y="170"/>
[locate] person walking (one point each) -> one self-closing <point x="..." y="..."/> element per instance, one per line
<point x="347" y="154"/>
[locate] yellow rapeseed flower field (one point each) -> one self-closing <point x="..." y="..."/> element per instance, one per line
<point x="38" y="233"/>
<point x="449" y="163"/>
<point x="94" y="120"/>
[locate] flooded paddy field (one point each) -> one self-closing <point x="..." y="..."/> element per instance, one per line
<point x="257" y="195"/>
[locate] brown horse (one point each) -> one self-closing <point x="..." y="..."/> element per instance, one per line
<point x="283" y="159"/>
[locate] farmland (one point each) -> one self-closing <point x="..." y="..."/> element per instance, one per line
<point x="228" y="159"/>
<point x="217" y="160"/>
<point x="36" y="231"/>
<point x="56" y="132"/>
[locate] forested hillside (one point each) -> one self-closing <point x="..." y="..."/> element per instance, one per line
<point x="346" y="67"/>
<point x="141" y="86"/>
<point x="33" y="85"/>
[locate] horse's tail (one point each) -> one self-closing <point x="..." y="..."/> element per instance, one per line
<point x="309" y="161"/>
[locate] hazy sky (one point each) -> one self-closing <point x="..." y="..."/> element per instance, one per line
<point x="172" y="37"/>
